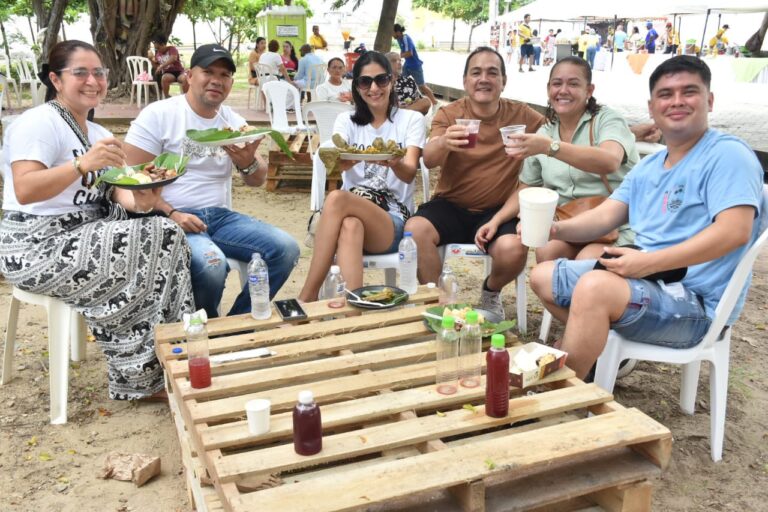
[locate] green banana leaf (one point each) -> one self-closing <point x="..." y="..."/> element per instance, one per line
<point x="167" y="160"/>
<point x="216" y="135"/>
<point x="487" y="328"/>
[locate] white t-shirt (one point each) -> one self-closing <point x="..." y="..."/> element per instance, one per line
<point x="407" y="129"/>
<point x="272" y="59"/>
<point x="161" y="128"/>
<point x="41" y="134"/>
<point x="326" y="91"/>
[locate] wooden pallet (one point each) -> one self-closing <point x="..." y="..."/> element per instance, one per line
<point x="385" y="445"/>
<point x="284" y="173"/>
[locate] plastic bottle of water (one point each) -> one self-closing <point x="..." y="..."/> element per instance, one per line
<point x="447" y="375"/>
<point x="448" y="287"/>
<point x="470" y="352"/>
<point x="335" y="288"/>
<point x="258" y="285"/>
<point x="408" y="261"/>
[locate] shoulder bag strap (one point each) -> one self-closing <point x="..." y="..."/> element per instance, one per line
<point x="592" y="143"/>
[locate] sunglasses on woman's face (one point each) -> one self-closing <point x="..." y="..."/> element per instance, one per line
<point x="364" y="82"/>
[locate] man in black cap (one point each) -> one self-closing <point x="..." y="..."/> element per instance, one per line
<point x="200" y="200"/>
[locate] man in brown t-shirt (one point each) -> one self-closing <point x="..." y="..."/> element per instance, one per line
<point x="474" y="183"/>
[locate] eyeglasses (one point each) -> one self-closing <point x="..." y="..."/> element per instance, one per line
<point x="83" y="73"/>
<point x="365" y="82"/>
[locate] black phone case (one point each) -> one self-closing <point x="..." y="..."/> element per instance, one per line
<point x="290" y="309"/>
<point x="667" y="276"/>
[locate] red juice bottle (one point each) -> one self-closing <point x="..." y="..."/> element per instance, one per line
<point x="307" y="426"/>
<point x="197" y="352"/>
<point x="497" y="379"/>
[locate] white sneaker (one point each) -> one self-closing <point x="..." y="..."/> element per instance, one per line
<point x="491" y="301"/>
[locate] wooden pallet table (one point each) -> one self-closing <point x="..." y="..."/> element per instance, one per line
<point x="391" y="442"/>
<point x="284" y="173"/>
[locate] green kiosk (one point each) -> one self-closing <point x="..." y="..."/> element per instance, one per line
<point x="284" y="23"/>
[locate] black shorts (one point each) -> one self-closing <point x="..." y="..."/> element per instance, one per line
<point x="455" y="225"/>
<point x="526" y="50"/>
<point x="159" y="76"/>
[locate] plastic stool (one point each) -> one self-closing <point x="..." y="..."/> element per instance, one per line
<point x="66" y="331"/>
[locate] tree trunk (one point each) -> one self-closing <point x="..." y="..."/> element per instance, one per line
<point x="41" y="14"/>
<point x="31" y="30"/>
<point x="471" y="31"/>
<point x="63" y="32"/>
<point x="53" y="25"/>
<point x="453" y="33"/>
<point x="755" y="43"/>
<point x="194" y="36"/>
<point x="383" y="42"/>
<point x="118" y="35"/>
<point x="5" y="45"/>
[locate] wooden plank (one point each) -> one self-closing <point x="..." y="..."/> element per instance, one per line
<point x="442" y="469"/>
<point x="629" y="498"/>
<point x="404" y="433"/>
<point x="166" y="333"/>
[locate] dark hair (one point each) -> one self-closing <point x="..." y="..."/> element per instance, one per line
<point x="399" y="28"/>
<point x="259" y="39"/>
<point x="362" y="114"/>
<point x="58" y="59"/>
<point x="726" y="27"/>
<point x="481" y="49"/>
<point x="273" y="45"/>
<point x="338" y="59"/>
<point x="635" y="30"/>
<point x="535" y="32"/>
<point x="159" y="38"/>
<point x="681" y="64"/>
<point x="592" y="106"/>
<point x="293" y="53"/>
<point x="526" y="16"/>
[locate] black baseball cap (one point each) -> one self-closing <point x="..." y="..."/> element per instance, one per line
<point x="207" y="54"/>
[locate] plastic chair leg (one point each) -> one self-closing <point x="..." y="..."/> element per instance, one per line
<point x="608" y="363"/>
<point x="390" y="276"/>
<point x="546" y="325"/>
<point x="133" y="87"/>
<point x="10" y="341"/>
<point x="59" y="330"/>
<point x="522" y="304"/>
<point x="78" y="333"/>
<point x="689" y="384"/>
<point x="718" y="396"/>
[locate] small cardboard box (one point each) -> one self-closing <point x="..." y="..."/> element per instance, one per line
<point x="524" y="370"/>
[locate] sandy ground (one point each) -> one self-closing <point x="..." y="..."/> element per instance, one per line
<point x="53" y="468"/>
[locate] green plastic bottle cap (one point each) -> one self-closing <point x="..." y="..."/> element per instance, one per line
<point x="471" y="317"/>
<point x="448" y="322"/>
<point x="196" y="320"/>
<point x="497" y="341"/>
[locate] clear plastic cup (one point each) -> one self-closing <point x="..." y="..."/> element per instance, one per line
<point x="537" y="211"/>
<point x="507" y="131"/>
<point x="257" y="411"/>
<point x="473" y="128"/>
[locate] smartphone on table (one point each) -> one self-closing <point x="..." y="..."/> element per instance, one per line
<point x="290" y="309"/>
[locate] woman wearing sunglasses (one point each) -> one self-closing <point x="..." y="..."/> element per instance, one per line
<point x="63" y="236"/>
<point x="368" y="214"/>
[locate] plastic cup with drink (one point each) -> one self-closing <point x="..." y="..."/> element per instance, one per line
<point x="473" y="128"/>
<point x="505" y="136"/>
<point x="537" y="211"/>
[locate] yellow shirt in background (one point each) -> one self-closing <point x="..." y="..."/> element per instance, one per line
<point x="317" y="42"/>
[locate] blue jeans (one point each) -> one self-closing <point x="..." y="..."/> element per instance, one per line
<point x="234" y="235"/>
<point x="670" y="315"/>
<point x="416" y="73"/>
<point x="399" y="224"/>
<point x="591" y="52"/>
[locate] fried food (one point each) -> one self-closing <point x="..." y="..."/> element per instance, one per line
<point x="461" y="314"/>
<point x="383" y="295"/>
<point x="149" y="174"/>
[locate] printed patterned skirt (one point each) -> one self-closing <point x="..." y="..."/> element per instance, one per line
<point x="124" y="276"/>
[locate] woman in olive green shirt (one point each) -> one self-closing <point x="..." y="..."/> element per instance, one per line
<point x="560" y="156"/>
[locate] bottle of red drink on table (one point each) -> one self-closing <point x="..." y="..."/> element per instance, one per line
<point x="447" y="375"/>
<point x="307" y="426"/>
<point x="497" y="378"/>
<point x="197" y="351"/>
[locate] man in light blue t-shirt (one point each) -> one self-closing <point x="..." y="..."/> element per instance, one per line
<point x="413" y="65"/>
<point x="306" y="73"/>
<point x="693" y="208"/>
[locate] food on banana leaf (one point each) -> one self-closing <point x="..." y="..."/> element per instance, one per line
<point x="330" y="156"/>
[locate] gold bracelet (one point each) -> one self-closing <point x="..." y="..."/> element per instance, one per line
<point x="76" y="165"/>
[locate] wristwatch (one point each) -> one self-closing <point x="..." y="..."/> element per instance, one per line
<point x="554" y="147"/>
<point x="251" y="168"/>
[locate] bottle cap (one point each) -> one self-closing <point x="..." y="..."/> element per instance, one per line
<point x="471" y="317"/>
<point x="335" y="269"/>
<point x="255" y="255"/>
<point x="497" y="341"/>
<point x="177" y="350"/>
<point x="448" y="322"/>
<point x="306" y="397"/>
<point x="407" y="233"/>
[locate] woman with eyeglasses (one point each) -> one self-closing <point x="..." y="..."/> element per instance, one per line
<point x="367" y="216"/>
<point x="335" y="88"/>
<point x="65" y="236"/>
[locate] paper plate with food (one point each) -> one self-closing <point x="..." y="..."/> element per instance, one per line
<point x="377" y="297"/>
<point x="490" y="322"/>
<point x="228" y="136"/>
<point x="163" y="170"/>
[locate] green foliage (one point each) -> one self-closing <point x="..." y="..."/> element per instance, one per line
<point x="75" y="8"/>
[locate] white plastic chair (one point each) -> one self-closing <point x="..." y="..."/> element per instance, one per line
<point x="136" y="66"/>
<point x="714" y="347"/>
<point x="8" y="80"/>
<point x="277" y="93"/>
<point x="265" y="73"/>
<point x="66" y="334"/>
<point x="315" y="77"/>
<point x="26" y="68"/>
<point x="325" y="114"/>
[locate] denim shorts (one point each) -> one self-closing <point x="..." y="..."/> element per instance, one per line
<point x="399" y="223"/>
<point x="658" y="314"/>
<point x="416" y="73"/>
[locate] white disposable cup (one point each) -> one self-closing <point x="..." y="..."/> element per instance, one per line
<point x="258" y="416"/>
<point x="537" y="211"/>
<point x="509" y="130"/>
